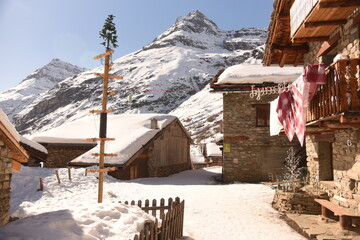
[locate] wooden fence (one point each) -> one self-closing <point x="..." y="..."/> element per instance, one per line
<point x="172" y="220"/>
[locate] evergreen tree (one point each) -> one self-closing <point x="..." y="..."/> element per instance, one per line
<point x="108" y="33"/>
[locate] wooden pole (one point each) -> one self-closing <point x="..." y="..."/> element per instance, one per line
<point x="57" y="175"/>
<point x="69" y="173"/>
<point x="41" y="185"/>
<point x="103" y="123"/>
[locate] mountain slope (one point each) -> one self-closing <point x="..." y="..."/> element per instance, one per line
<point x="157" y="78"/>
<point x="18" y="98"/>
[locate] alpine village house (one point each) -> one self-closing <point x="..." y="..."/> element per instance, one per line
<point x="147" y="145"/>
<point x="250" y="154"/>
<point x="308" y="32"/>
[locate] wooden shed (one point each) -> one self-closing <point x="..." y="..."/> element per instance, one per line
<point x="147" y="145"/>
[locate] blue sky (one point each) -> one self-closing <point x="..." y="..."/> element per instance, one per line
<point x="34" y="32"/>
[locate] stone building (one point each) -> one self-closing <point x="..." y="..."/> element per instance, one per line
<point x="147" y="145"/>
<point x="61" y="151"/>
<point x="250" y="154"/>
<point x="13" y="153"/>
<point x="313" y="32"/>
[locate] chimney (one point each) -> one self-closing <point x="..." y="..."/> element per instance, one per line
<point x="154" y="123"/>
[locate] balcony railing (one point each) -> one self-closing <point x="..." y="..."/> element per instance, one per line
<point x="341" y="92"/>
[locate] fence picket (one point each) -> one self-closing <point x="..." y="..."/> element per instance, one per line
<point x="147" y="204"/>
<point x="153" y="212"/>
<point x="162" y="211"/>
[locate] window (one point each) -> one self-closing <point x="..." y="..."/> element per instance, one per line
<point x="262" y="115"/>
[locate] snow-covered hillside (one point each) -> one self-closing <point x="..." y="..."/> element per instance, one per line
<point x="18" y="98"/>
<point x="158" y="78"/>
<point x="202" y="116"/>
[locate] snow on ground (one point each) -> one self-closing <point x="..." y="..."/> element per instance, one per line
<point x="69" y="210"/>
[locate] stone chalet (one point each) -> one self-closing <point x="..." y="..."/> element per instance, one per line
<point x="250" y="154"/>
<point x="147" y="145"/>
<point x="14" y="151"/>
<point x="304" y="32"/>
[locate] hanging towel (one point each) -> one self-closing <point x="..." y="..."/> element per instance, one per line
<point x="300" y="93"/>
<point x="285" y="113"/>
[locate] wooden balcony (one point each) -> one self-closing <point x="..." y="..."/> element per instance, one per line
<point x="338" y="99"/>
<point x="316" y="20"/>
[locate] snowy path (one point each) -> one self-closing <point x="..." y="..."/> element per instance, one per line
<point x="212" y="212"/>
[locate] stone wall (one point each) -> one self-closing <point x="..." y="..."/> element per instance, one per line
<point x="298" y="202"/>
<point x="345" y="187"/>
<point x="253" y="152"/>
<point x="5" y="180"/>
<point x="59" y="156"/>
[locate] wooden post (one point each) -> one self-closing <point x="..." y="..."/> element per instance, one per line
<point x="57" y="175"/>
<point x="41" y="185"/>
<point x="103" y="123"/>
<point x="69" y="173"/>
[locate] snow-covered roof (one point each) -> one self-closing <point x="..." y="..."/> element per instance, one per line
<point x="20" y="139"/>
<point x="213" y="150"/>
<point x="131" y="132"/>
<point x="257" y="74"/>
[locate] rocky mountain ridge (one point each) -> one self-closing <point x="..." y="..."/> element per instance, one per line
<point x="157" y="78"/>
<point x="41" y="80"/>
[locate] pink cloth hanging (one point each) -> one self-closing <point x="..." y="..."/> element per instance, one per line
<point x="292" y="105"/>
<point x="285" y="114"/>
<point x="300" y="93"/>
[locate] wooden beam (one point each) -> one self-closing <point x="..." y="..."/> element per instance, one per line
<point x="327" y="46"/>
<point x="104" y="54"/>
<point x="16" y="166"/>
<point x="104" y="154"/>
<point x="302" y="48"/>
<point x="283" y="59"/>
<point x="109" y="76"/>
<point x="328" y="137"/>
<point x="310" y="39"/>
<point x="297" y="59"/>
<point x="324" y="23"/>
<point x="100" y="170"/>
<point x="338" y="3"/>
<point x="99" y="139"/>
<point x="283" y="17"/>
<point x="14" y="144"/>
<point x="350" y="119"/>
<point x="112" y="93"/>
<point x="102" y="111"/>
<point x="341" y="126"/>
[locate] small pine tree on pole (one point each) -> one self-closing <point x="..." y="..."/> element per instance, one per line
<point x="108" y="34"/>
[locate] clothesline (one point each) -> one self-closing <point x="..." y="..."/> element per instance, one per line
<point x="292" y="105"/>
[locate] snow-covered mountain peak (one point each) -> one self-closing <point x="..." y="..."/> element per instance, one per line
<point x="196" y="22"/>
<point x="193" y="30"/>
<point x="55" y="71"/>
<point x="15" y="99"/>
